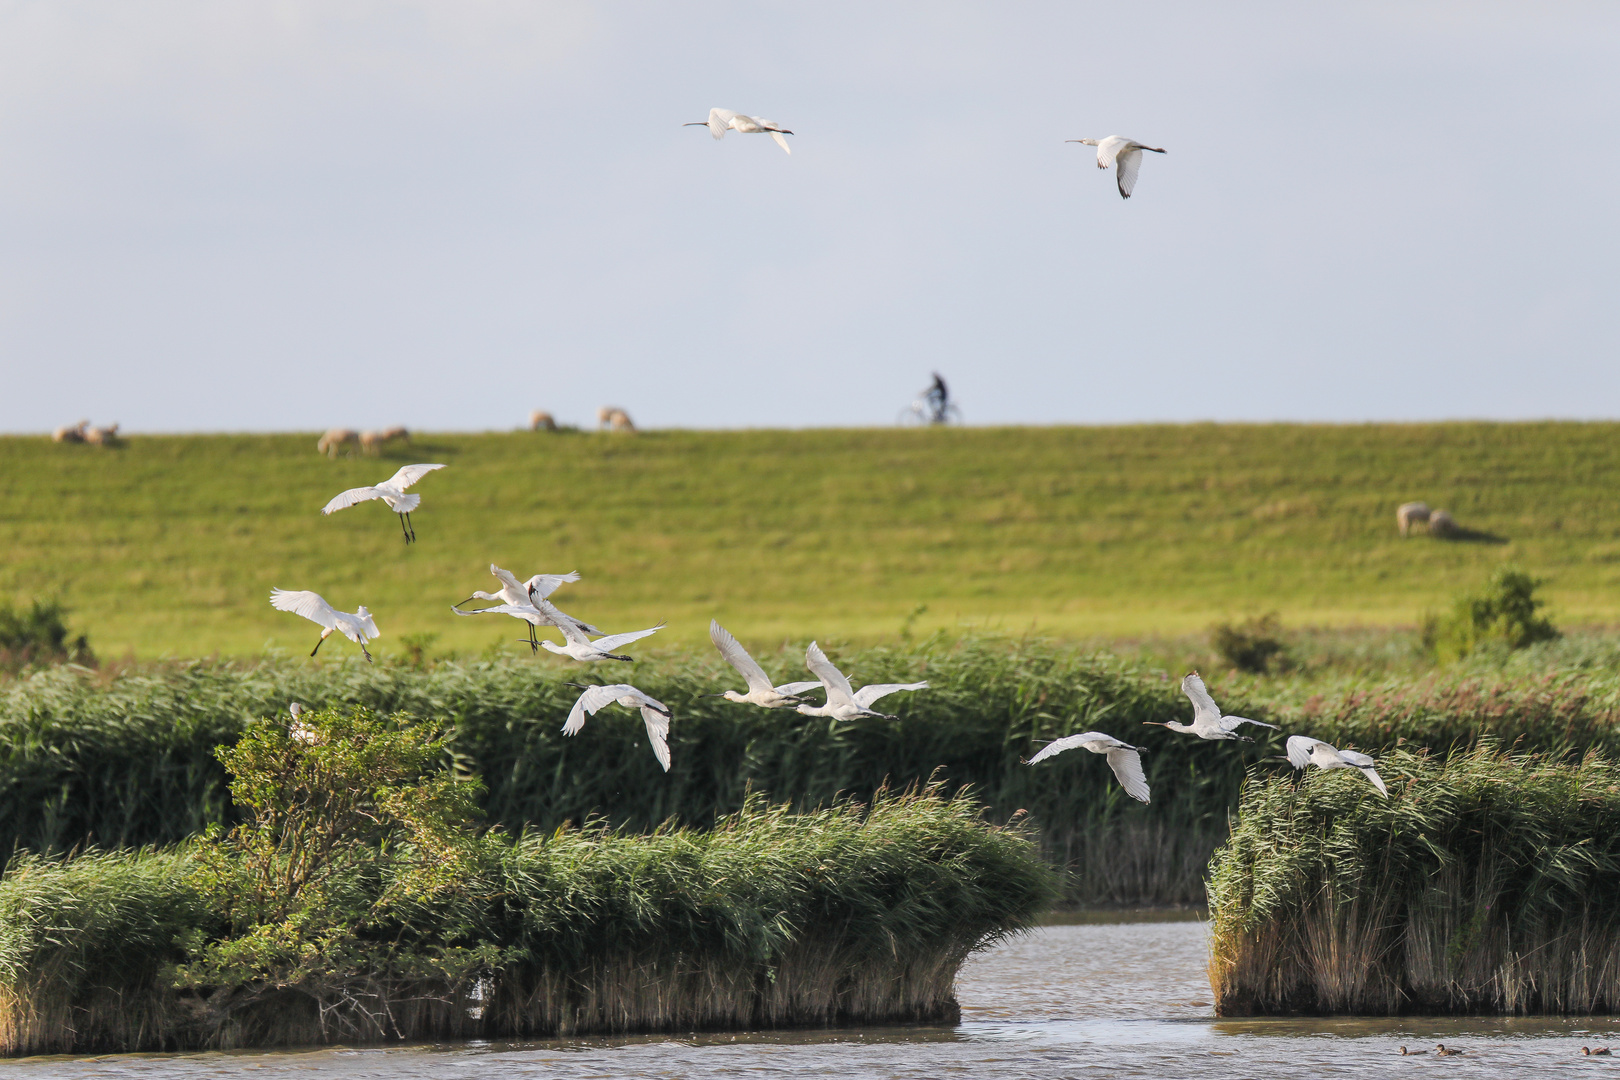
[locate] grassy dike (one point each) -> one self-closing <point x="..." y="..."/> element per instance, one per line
<point x="1485" y="883"/>
<point x="169" y="545"/>
<point x="359" y="901"/>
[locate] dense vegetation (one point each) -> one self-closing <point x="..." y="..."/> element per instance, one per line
<point x="1486" y="882"/>
<point x="356" y="901"/>
<point x="127" y="758"/>
<point x="788" y="535"/>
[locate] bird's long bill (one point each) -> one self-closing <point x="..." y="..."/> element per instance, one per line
<point x="1156" y="723"/>
<point x="711" y="695"/>
<point x="469" y="600"/>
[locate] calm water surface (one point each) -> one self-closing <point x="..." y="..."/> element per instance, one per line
<point x="1067" y="1001"/>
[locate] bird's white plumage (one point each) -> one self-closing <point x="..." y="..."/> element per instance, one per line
<point x="788" y="689"/>
<point x="760" y="691"/>
<point x="391" y="491"/>
<point x="654" y="714"/>
<point x="358" y="626"/>
<point x="868" y="694"/>
<point x="1123" y="758"/>
<point x="721" y="121"/>
<point x="1121" y="154"/>
<point x="1304" y="750"/>
<point x="539" y="613"/>
<point x="738" y="657"/>
<point x="843" y="703"/>
<point x="583" y="649"/>
<point x="838" y="688"/>
<point x="1208" y="723"/>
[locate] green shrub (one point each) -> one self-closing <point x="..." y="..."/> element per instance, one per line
<point x="39" y="635"/>
<point x="1255" y="645"/>
<point x="1504" y="613"/>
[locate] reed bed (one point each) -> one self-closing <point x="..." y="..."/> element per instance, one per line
<point x="858" y="913"/>
<point x="1489" y="882"/>
<point x="126" y="758"/>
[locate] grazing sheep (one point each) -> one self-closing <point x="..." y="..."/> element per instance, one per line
<point x="102" y="436"/>
<point x="611" y="416"/>
<point x="400" y="433"/>
<point x="70" y="434"/>
<point x="1412" y="513"/>
<point x="542" y="421"/>
<point x="1442" y="524"/>
<point x="370" y="441"/>
<point x="337" y="437"/>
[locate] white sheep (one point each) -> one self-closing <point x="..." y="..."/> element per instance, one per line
<point x="335" y="438"/>
<point x="70" y="434"/>
<point x="1441" y="523"/>
<point x="542" y="421"/>
<point x="372" y="441"/>
<point x="611" y="416"/>
<point x="102" y="436"/>
<point x="1412" y="513"/>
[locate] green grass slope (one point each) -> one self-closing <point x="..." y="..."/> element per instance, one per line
<point x="169" y="545"/>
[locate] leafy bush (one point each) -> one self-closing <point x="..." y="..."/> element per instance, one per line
<point x="39" y="635"/>
<point x="1255" y="645"/>
<point x="1504" y="613"/>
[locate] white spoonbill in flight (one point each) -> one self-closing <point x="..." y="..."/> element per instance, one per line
<point x="358" y="627"/>
<point x="585" y="650"/>
<point x="391" y="491"/>
<point x="1208" y="723"/>
<point x="527" y="601"/>
<point x="760" y="691"/>
<point x="721" y="121"/>
<point x="844" y="703"/>
<point x="1304" y="750"/>
<point x="653" y="713"/>
<point x="1123" y="152"/>
<point x="1123" y="758"/>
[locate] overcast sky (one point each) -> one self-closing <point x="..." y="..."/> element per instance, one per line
<point x="290" y="215"/>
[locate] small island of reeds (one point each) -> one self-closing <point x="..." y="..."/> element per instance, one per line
<point x="357" y="899"/>
<point x="1488" y="882"/>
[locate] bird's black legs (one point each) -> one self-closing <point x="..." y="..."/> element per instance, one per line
<point x="411" y="525"/>
<point x="534" y="643"/>
<point x="404" y="528"/>
<point x="614" y="656"/>
<point x="369" y="658"/>
<point x="318" y="645"/>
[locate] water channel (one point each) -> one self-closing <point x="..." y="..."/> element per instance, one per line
<point x="1091" y="1000"/>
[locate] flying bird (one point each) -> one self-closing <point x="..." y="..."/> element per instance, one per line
<point x="1304" y="750"/>
<point x="583" y="649"/>
<point x="391" y="491"/>
<point x="1208" y="723"/>
<point x="653" y="712"/>
<point x="1123" y="758"/>
<point x="358" y="627"/>
<point x="844" y="703"/>
<point x="721" y="121"/>
<point x="760" y="691"/>
<point x="1123" y="152"/>
<point x="526" y="600"/>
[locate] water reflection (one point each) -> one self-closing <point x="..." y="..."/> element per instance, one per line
<point x="1068" y="1001"/>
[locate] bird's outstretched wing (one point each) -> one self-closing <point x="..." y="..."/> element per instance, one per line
<point x="1130" y="162"/>
<point x="1204" y="707"/>
<point x="410" y="474"/>
<point x="720" y="122"/>
<point x="838" y="691"/>
<point x="1107" y="149"/>
<point x="792" y="688"/>
<point x="350" y="498"/>
<point x="1127" y="765"/>
<point x="868" y="694"/>
<point x="738" y="657"/>
<point x="614" y="641"/>
<point x="1378" y="781"/>
<point x="1299" y="749"/>
<point x="1365" y="763"/>
<point x="657" y="734"/>
<point x="1068" y="742"/>
<point x="508" y="579"/>
<point x="520" y="611"/>
<point x="543" y="585"/>
<point x="308" y="604"/>
<point x="594" y="698"/>
<point x="1232" y="723"/>
<point x="780" y="141"/>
